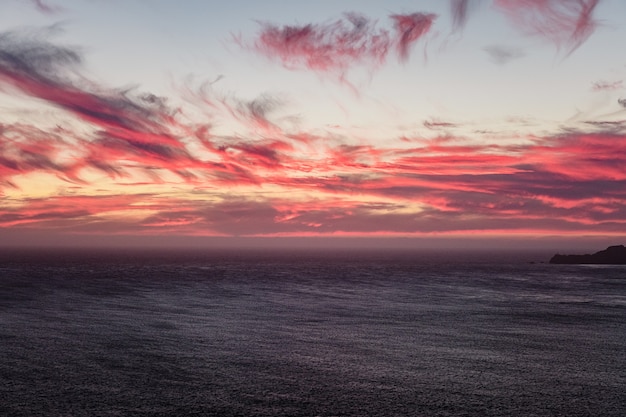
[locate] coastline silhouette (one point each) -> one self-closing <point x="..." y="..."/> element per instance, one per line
<point x="614" y="255"/>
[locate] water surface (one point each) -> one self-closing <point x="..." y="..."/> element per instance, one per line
<point x="317" y="334"/>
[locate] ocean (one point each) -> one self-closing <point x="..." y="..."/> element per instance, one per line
<point x="268" y="333"/>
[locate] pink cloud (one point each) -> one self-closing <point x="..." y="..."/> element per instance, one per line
<point x="63" y="211"/>
<point x="325" y="47"/>
<point x="576" y="177"/>
<point x="337" y="46"/>
<point x="333" y="48"/>
<point x="409" y="29"/>
<point x="42" y="70"/>
<point x="446" y="211"/>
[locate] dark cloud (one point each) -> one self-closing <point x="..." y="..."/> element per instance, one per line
<point x="609" y="126"/>
<point x="50" y="72"/>
<point x="436" y="124"/>
<point x="27" y="56"/>
<point x="128" y="126"/>
<point x="503" y="54"/>
<point x="256" y="112"/>
<point x="460" y="10"/>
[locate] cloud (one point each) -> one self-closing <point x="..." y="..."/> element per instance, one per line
<point x="129" y="132"/>
<point x="503" y="54"/>
<point x="325" y="47"/>
<point x="420" y="185"/>
<point x="355" y="40"/>
<point x="566" y="23"/>
<point x="538" y="200"/>
<point x="45" y="7"/>
<point x="64" y="211"/>
<point x="126" y="125"/>
<point x="460" y="10"/>
<point x="49" y="72"/>
<point x="26" y="57"/>
<point x="409" y="29"/>
<point x="25" y="149"/>
<point x="337" y="46"/>
<point x="301" y="182"/>
<point x="607" y="85"/>
<point x="437" y="124"/>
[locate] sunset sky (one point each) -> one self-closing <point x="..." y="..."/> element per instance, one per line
<point x="166" y="121"/>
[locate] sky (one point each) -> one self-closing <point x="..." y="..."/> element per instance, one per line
<point x="400" y="122"/>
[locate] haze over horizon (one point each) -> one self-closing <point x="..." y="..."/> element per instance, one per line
<point x="413" y="124"/>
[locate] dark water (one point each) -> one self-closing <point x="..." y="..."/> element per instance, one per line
<point x="255" y="334"/>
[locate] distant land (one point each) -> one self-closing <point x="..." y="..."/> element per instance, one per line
<point x="613" y="255"/>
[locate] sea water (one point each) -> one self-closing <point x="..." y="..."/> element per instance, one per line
<point x="309" y="334"/>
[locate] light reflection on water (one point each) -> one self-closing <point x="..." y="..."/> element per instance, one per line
<point x="308" y="335"/>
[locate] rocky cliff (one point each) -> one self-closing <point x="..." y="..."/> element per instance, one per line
<point x="615" y="255"/>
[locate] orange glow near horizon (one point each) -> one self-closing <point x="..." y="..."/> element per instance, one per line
<point x="118" y="161"/>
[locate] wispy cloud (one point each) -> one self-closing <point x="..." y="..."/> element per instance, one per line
<point x="607" y="85"/>
<point x="337" y="46"/>
<point x="45" y="7"/>
<point x="409" y="29"/>
<point x="500" y="54"/>
<point x="460" y="10"/>
<point x="356" y="40"/>
<point x="566" y="23"/>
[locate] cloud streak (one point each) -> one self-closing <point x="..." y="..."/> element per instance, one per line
<point x="502" y="55"/>
<point x="409" y="29"/>
<point x="607" y="85"/>
<point x="460" y="10"/>
<point x="44" y="7"/>
<point x="566" y="23"/>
